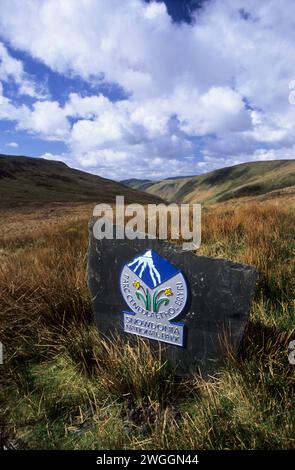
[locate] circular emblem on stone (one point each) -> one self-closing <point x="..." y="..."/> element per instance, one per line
<point x="153" y="288"/>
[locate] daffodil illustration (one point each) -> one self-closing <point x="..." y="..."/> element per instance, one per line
<point x="145" y="297"/>
<point x="158" y="300"/>
<point x="168" y="292"/>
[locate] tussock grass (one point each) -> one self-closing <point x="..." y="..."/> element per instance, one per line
<point x="259" y="234"/>
<point x="64" y="387"/>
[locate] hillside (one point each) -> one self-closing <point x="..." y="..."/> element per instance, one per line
<point x="35" y="181"/>
<point x="246" y="179"/>
<point x="135" y="183"/>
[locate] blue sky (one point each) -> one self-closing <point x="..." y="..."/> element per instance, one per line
<point x="147" y="88"/>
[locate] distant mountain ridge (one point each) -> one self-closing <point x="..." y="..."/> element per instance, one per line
<point x="245" y="179"/>
<point x="135" y="183"/>
<point x="28" y="180"/>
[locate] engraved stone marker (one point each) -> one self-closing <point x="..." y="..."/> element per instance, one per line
<point x="173" y="298"/>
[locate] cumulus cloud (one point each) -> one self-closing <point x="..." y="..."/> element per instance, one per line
<point x="12" y="69"/>
<point x="88" y="134"/>
<point x="199" y="95"/>
<point x="46" y="118"/>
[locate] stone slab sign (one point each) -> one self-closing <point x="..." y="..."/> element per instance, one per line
<point x="185" y="303"/>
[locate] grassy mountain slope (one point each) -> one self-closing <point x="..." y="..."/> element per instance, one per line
<point x="26" y="180"/>
<point x="246" y="179"/>
<point x="135" y="183"/>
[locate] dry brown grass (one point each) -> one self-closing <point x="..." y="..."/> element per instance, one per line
<point x="65" y="387"/>
<point x="258" y="234"/>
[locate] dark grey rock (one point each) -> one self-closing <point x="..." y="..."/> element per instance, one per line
<point x="220" y="294"/>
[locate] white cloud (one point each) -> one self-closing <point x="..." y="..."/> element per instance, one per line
<point x="217" y="110"/>
<point x="47" y="118"/>
<point x="86" y="107"/>
<point x="8" y="111"/>
<point x="9" y="67"/>
<point x="151" y="117"/>
<point x="12" y="144"/>
<point x="89" y="134"/>
<point x="12" y="69"/>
